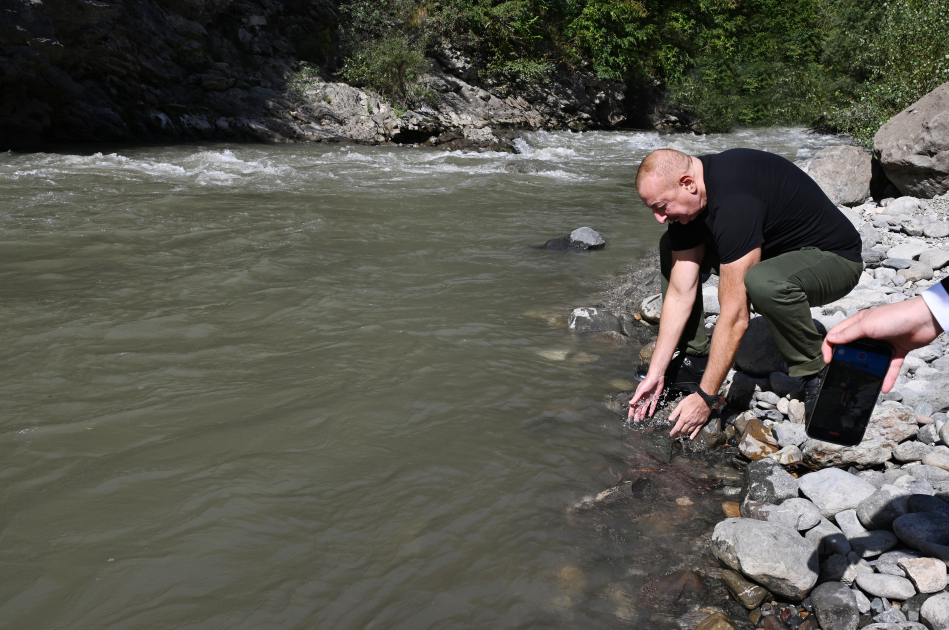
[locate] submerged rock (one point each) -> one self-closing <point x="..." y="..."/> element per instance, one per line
<point x="580" y="239"/>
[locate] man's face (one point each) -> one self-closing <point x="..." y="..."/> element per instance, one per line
<point x="677" y="203"/>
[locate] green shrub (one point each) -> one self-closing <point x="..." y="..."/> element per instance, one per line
<point x="391" y="66"/>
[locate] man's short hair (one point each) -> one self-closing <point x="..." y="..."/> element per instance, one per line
<point x="669" y="164"/>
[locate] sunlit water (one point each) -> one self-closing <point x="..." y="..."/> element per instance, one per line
<point x="252" y="386"/>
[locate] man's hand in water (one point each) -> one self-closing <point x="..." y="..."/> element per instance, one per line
<point x="644" y="401"/>
<point x="690" y="415"/>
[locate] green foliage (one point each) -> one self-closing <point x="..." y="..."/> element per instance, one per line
<point x="908" y="59"/>
<point x="301" y="81"/>
<point x="391" y="66"/>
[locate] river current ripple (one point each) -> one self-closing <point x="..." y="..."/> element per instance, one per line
<point x="295" y="386"/>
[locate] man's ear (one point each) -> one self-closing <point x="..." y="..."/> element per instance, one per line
<point x="687" y="182"/>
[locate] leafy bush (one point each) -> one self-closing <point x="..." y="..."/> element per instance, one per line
<point x="909" y="58"/>
<point x="391" y="66"/>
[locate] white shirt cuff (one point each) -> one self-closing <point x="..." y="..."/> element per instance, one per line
<point x="937" y="300"/>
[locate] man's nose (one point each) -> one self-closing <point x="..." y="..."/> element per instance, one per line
<point x="660" y="217"/>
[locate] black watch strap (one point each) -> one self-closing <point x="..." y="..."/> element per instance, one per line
<point x="710" y="400"/>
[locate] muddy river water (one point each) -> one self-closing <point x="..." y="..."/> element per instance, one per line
<point x="250" y="386"/>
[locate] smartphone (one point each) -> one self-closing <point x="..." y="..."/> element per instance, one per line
<point x="849" y="392"/>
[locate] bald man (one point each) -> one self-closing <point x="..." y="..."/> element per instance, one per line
<point x="775" y="240"/>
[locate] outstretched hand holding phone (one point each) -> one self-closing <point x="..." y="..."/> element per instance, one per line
<point x="904" y="325"/>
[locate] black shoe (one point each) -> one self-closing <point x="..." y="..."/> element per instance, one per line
<point x="684" y="373"/>
<point x="810" y="390"/>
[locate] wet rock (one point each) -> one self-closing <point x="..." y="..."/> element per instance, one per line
<point x="880" y="509"/>
<point x="748" y="594"/>
<point x="888" y="427"/>
<point x="773" y="556"/>
<point x="677" y="586"/>
<point x="912" y="146"/>
<point x="731" y="509"/>
<point x="768" y="482"/>
<point x="832" y="490"/>
<point x="935" y="611"/>
<point x="888" y="586"/>
<point x="795" y="513"/>
<point x="757" y="442"/>
<point x="580" y="239"/>
<point x="835" y="606"/>
<point x="590" y="320"/>
<point x="717" y="621"/>
<point x="928" y="575"/>
<point x="757" y="355"/>
<point x="827" y="539"/>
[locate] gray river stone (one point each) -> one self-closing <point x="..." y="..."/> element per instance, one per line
<point x="775" y="557"/>
<point x="929" y="473"/>
<point x="908" y="250"/>
<point x="840" y="568"/>
<point x="922" y="530"/>
<point x="768" y="482"/>
<point x="926" y="503"/>
<point x="888" y="586"/>
<point x="889" y="563"/>
<point x="875" y="477"/>
<point x="888" y="427"/>
<point x="849" y="524"/>
<point x="936" y="458"/>
<point x="827" y="539"/>
<point x="588" y="320"/>
<point x="796" y="513"/>
<point x="939" y="229"/>
<point x="789" y="433"/>
<point x="897" y="263"/>
<point x="935" y="611"/>
<point x="927" y="574"/>
<point x="883" y="506"/>
<point x="935" y="258"/>
<point x="873" y="543"/>
<point x="910" y="451"/>
<point x="588" y="237"/>
<point x="833" y="490"/>
<point x="902" y="205"/>
<point x="835" y="606"/>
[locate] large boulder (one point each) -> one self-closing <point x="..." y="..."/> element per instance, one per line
<point x="843" y="173"/>
<point x="581" y="239"/>
<point x="775" y="557"/>
<point x="914" y="146"/>
<point x="585" y="320"/>
<point x="888" y="427"/>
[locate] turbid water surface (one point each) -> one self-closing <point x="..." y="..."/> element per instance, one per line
<point x="323" y="387"/>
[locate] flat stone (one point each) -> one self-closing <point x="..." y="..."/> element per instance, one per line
<point x="892" y="616"/>
<point x="935" y="611"/>
<point x="755" y="449"/>
<point x="796" y="411"/>
<point x="589" y="320"/>
<point x="835" y="606"/>
<point x="789" y="433"/>
<point x="930" y="473"/>
<point x="873" y="543"/>
<point x="880" y="509"/>
<point x="910" y="451"/>
<point x="916" y="272"/>
<point x="748" y="594"/>
<point x="773" y="556"/>
<point x="888" y="586"/>
<point x="651" y="308"/>
<point x="768" y="482"/>
<point x="939" y="229"/>
<point x="863" y="604"/>
<point x="717" y="621"/>
<point x="827" y="539"/>
<point x="897" y="263"/>
<point x="925" y="531"/>
<point x="796" y="513"/>
<point x="927" y="574"/>
<point x="935" y="258"/>
<point x="788" y="455"/>
<point x="939" y="459"/>
<point x="832" y="490"/>
<point x="783" y="406"/>
<point x="908" y="250"/>
<point x="587" y="236"/>
<point x="902" y="205"/>
<point x="928" y="434"/>
<point x="889" y="563"/>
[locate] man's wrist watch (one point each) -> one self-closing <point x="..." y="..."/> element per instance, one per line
<point x="710" y="400"/>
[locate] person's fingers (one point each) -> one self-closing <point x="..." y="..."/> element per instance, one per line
<point x="892" y="374"/>
<point x="696" y="432"/>
<point x="849" y="329"/>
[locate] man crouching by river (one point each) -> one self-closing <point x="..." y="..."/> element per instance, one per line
<point x="774" y="239"/>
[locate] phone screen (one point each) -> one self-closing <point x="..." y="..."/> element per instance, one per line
<point x="849" y="392"/>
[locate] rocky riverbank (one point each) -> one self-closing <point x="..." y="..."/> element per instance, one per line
<point x="818" y="535"/>
<point x="109" y="71"/>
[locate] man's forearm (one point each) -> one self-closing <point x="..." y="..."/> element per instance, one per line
<point x="729" y="329"/>
<point x="675" y="313"/>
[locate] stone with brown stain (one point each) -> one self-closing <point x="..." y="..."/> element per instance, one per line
<point x="748" y="594"/>
<point x="731" y="509"/>
<point x="676" y="586"/>
<point x="717" y="621"/>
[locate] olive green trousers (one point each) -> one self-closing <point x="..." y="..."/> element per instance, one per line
<point x="782" y="289"/>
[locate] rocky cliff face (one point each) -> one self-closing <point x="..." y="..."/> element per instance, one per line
<point x="140" y="70"/>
